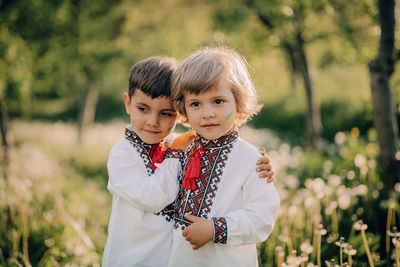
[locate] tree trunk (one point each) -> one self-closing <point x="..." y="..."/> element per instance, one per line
<point x="384" y="120"/>
<point x="288" y="48"/>
<point x="5" y="133"/>
<point x="88" y="108"/>
<point x="298" y="60"/>
<point x="313" y="118"/>
<point x="385" y="123"/>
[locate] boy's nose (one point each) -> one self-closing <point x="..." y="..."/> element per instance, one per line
<point x="152" y="120"/>
<point x="208" y="112"/>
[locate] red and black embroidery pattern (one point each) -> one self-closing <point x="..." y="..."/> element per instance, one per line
<point x="220" y="230"/>
<point x="198" y="202"/>
<point x="143" y="149"/>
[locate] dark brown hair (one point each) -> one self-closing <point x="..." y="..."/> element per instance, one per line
<point x="152" y="76"/>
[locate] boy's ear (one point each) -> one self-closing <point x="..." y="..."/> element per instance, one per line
<point x="127" y="102"/>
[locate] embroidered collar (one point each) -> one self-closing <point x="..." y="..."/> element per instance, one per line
<point x="131" y="135"/>
<point x="220" y="142"/>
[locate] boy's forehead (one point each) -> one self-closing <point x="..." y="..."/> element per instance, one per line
<point x="161" y="101"/>
<point x="220" y="88"/>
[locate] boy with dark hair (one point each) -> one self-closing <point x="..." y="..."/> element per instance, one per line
<point x="138" y="234"/>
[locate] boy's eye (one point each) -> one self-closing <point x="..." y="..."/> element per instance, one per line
<point x="141" y="108"/>
<point x="219" y="101"/>
<point x="166" y="114"/>
<point x="195" y="104"/>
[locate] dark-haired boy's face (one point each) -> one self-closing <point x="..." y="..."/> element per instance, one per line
<point x="151" y="119"/>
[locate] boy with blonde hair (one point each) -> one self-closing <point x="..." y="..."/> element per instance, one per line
<point x="223" y="209"/>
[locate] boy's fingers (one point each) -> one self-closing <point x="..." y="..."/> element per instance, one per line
<point x="191" y="217"/>
<point x="268" y="167"/>
<point x="264" y="167"/>
<point x="261" y="150"/>
<point x="266" y="174"/>
<point x="263" y="160"/>
<point x="270" y="180"/>
<point x="184" y="232"/>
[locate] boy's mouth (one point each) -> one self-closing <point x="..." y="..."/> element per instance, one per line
<point x="209" y="125"/>
<point x="151" y="132"/>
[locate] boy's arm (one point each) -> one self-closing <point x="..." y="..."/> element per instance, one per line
<point x="250" y="225"/>
<point x="131" y="182"/>
<point x="182" y="141"/>
<point x="253" y="223"/>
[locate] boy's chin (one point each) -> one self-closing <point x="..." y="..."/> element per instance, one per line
<point x="150" y="139"/>
<point x="211" y="136"/>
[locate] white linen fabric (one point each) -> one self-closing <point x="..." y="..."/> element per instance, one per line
<point x="137" y="236"/>
<point x="248" y="205"/>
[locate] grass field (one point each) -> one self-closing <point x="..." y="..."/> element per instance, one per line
<point x="54" y="206"/>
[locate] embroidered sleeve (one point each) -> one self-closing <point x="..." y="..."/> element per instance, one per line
<point x="220" y="230"/>
<point x="174" y="154"/>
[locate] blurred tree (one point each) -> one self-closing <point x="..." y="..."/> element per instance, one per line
<point x="95" y="28"/>
<point x="4" y="130"/>
<point x="55" y="54"/>
<point x="290" y="27"/>
<point x="361" y="23"/>
<point x="381" y="69"/>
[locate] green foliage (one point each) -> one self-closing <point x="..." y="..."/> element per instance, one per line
<point x="290" y="123"/>
<point x="52" y="50"/>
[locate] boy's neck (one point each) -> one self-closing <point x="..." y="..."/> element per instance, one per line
<point x="223" y="140"/>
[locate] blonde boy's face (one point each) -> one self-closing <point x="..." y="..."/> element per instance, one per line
<point x="151" y="119"/>
<point x="212" y="113"/>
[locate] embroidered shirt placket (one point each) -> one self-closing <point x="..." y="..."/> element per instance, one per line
<point x="177" y="203"/>
<point x="209" y="181"/>
<point x="188" y="193"/>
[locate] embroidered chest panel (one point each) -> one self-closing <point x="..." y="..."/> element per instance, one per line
<point x="141" y="147"/>
<point x="143" y="150"/>
<point x="198" y="202"/>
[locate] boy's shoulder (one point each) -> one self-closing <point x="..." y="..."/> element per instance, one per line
<point x="246" y="151"/>
<point x="122" y="150"/>
<point x="247" y="148"/>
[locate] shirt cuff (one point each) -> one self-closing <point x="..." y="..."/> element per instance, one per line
<point x="220" y="230"/>
<point x="174" y="154"/>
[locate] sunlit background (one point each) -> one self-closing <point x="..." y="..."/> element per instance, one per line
<point x="64" y="67"/>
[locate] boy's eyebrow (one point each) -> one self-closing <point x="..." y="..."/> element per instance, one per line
<point x="143" y="104"/>
<point x="169" y="109"/>
<point x="219" y="96"/>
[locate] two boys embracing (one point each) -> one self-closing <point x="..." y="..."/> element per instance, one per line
<point x="200" y="201"/>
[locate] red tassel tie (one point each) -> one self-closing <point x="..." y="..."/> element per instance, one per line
<point x="156" y="153"/>
<point x="193" y="171"/>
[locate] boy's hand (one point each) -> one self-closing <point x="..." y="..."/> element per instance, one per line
<point x="264" y="166"/>
<point x="200" y="232"/>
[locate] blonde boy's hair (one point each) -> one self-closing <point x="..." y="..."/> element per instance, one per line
<point x="205" y="68"/>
